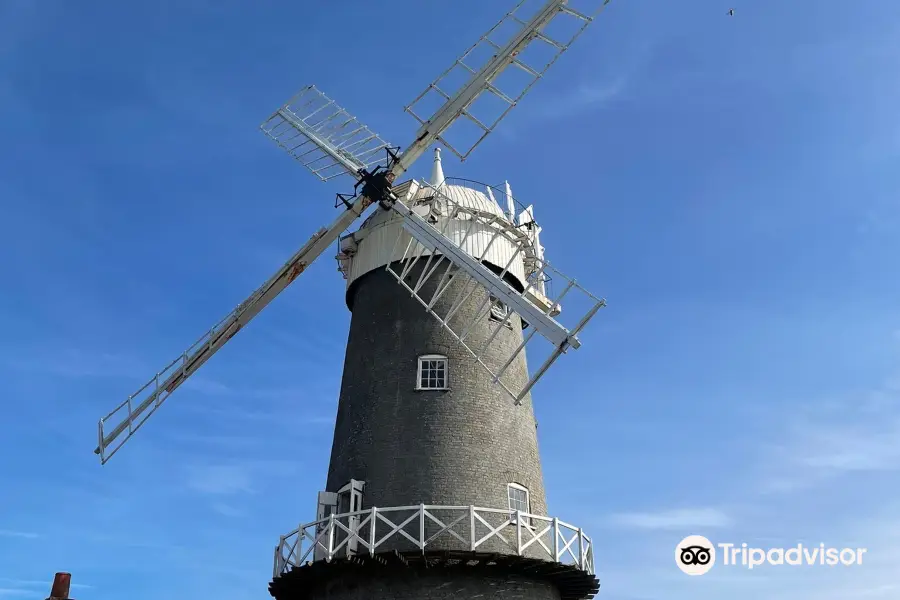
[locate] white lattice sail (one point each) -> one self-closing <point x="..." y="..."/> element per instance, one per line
<point x="530" y="37"/>
<point x="324" y="137"/>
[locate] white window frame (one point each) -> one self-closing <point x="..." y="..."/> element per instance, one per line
<point x="420" y="363"/>
<point x="512" y="511"/>
<point x="500" y="312"/>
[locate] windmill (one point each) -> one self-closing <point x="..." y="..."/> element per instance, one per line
<point x="441" y="277"/>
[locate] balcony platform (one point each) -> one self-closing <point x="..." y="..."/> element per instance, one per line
<point x="452" y="543"/>
<point x="301" y="583"/>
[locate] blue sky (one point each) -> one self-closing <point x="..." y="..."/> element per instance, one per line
<point x="730" y="185"/>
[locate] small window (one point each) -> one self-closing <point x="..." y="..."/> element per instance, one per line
<point x="432" y="373"/>
<point x="518" y="500"/>
<point x="500" y="312"/>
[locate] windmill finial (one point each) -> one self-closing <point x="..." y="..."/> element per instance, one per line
<point x="490" y="194"/>
<point x="437" y="172"/>
<point x="510" y="203"/>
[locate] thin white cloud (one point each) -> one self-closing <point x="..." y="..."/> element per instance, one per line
<point x="208" y="387"/>
<point x="19" y="593"/>
<point x="81" y="586"/>
<point x="226" y="510"/>
<point x="278" y="413"/>
<point x="858" y="434"/>
<point x="834" y="448"/>
<point x="676" y="519"/>
<point x="589" y="95"/>
<point x="226" y="441"/>
<point x="132" y="542"/>
<point x="586" y="96"/>
<point x="220" y="479"/>
<point x="19" y="534"/>
<point x="240" y="477"/>
<point x="217" y="389"/>
<point x="21" y="583"/>
<point x="76" y="363"/>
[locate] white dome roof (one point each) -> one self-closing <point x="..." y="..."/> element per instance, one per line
<point x="464" y="197"/>
<point x="382" y="240"/>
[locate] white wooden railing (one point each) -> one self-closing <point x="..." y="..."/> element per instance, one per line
<point x="463" y="527"/>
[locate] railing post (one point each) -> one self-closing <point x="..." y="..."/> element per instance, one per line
<point x="422" y="528"/>
<point x="298" y="547"/>
<point x="374" y="516"/>
<point x="518" y="532"/>
<point x="330" y="553"/>
<point x="555" y="539"/>
<point x="472" y="528"/>
<point x="580" y="549"/>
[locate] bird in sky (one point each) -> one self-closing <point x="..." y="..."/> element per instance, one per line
<point x="730" y="12"/>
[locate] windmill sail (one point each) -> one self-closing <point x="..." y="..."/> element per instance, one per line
<point x="531" y="45"/>
<point x="324" y="137"/>
<point x="330" y="142"/>
<point x="124" y="420"/>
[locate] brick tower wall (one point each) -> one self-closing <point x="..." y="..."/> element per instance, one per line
<point x="461" y="446"/>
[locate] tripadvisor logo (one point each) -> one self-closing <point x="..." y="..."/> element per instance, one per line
<point x="696" y="555"/>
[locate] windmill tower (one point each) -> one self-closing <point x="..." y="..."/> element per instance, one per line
<point x="418" y="419"/>
<point x="434" y="487"/>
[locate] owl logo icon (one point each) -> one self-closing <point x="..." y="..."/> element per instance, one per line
<point x="695" y="555"/>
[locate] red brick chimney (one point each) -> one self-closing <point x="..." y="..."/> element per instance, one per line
<point x="60" y="589"/>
